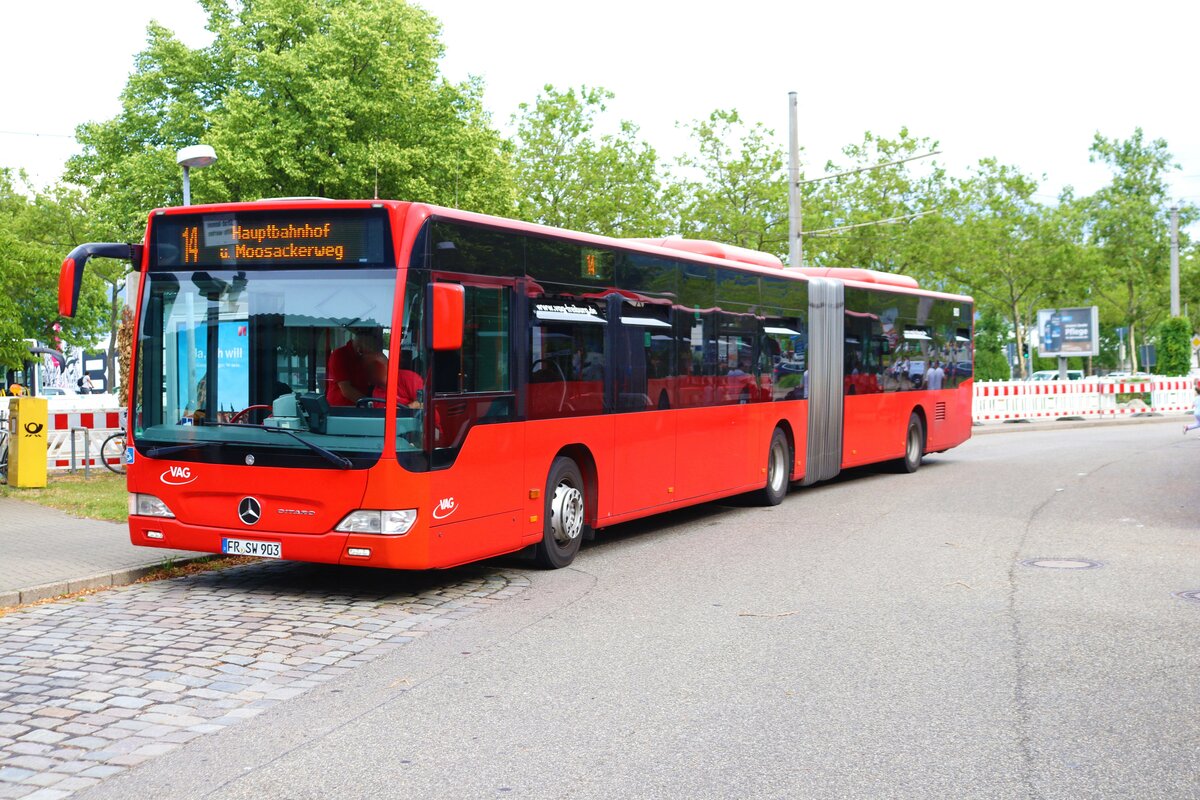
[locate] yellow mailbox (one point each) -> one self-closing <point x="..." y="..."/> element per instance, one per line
<point x="27" y="434"/>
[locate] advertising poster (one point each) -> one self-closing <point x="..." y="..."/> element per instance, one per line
<point x="233" y="367"/>
<point x="1069" y="332"/>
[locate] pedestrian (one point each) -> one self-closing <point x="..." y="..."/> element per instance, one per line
<point x="1195" y="412"/>
<point x="935" y="376"/>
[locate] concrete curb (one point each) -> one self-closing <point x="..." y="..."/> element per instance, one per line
<point x="104" y="580"/>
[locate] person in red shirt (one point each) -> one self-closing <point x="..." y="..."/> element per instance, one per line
<point x="408" y="384"/>
<point x="348" y="376"/>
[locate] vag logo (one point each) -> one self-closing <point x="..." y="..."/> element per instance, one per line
<point x="178" y="476"/>
<point x="445" y="507"/>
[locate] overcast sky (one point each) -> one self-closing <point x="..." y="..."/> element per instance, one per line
<point x="1027" y="82"/>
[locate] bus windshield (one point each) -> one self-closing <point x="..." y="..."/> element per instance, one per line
<point x="229" y="359"/>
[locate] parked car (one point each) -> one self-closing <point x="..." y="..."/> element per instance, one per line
<point x="1052" y="375"/>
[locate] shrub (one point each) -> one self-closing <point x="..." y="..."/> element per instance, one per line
<point x="1174" y="347"/>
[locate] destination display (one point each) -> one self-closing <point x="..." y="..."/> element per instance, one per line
<point x="346" y="237"/>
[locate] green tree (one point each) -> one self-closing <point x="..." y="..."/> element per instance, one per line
<point x="571" y="177"/>
<point x="736" y="191"/>
<point x="1127" y="227"/>
<point x="858" y="202"/>
<point x="993" y="239"/>
<point x="339" y="98"/>
<point x="1189" y="276"/>
<point x="35" y="229"/>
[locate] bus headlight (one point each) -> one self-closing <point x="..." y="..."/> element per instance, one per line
<point x="387" y="522"/>
<point x="147" y="505"/>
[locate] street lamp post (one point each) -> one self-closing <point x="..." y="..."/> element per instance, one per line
<point x="198" y="156"/>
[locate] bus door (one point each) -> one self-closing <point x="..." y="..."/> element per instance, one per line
<point x="641" y="354"/>
<point x="476" y="460"/>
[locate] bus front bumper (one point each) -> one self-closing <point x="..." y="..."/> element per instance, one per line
<point x="363" y="550"/>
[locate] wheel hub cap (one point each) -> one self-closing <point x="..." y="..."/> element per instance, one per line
<point x="566" y="513"/>
<point x="778" y="469"/>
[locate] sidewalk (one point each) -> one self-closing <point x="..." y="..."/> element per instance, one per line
<point x="47" y="553"/>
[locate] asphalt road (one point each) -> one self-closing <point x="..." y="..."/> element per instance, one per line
<point x="878" y="636"/>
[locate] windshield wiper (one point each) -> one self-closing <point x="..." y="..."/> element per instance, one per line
<point x="155" y="452"/>
<point x="341" y="462"/>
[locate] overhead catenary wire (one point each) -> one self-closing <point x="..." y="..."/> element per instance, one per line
<point x="827" y="232"/>
<point x="865" y="169"/>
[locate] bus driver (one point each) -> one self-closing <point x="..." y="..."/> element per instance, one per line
<point x="349" y="377"/>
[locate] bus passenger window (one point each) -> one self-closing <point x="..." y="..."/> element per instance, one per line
<point x="567" y="358"/>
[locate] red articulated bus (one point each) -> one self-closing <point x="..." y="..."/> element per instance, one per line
<point x="399" y="385"/>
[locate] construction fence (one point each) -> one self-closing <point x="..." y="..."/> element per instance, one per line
<point x="78" y="426"/>
<point x="1001" y="401"/>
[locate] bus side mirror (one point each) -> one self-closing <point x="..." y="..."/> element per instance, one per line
<point x="70" y="277"/>
<point x="449" y="312"/>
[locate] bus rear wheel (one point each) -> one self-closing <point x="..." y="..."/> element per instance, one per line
<point x="779" y="470"/>
<point x="565" y="515"/>
<point x="914" y="445"/>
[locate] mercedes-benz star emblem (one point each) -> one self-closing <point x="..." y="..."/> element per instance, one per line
<point x="249" y="510"/>
<point x="250" y="460"/>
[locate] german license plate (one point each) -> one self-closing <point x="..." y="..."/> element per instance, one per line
<point x="249" y="547"/>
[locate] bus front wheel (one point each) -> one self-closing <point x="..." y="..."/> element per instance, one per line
<point x="565" y="515"/>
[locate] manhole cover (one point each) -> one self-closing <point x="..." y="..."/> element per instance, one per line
<point x="1192" y="595"/>
<point x="1061" y="563"/>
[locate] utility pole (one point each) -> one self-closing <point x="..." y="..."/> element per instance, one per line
<point x="795" y="245"/>
<point x="1174" y="261"/>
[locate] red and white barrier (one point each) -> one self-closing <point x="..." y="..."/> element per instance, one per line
<point x="100" y="418"/>
<point x="65" y="426"/>
<point x="998" y="401"/>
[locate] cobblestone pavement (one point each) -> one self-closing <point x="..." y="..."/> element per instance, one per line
<point x="94" y="686"/>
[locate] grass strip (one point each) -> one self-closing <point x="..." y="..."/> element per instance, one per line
<point x="102" y="496"/>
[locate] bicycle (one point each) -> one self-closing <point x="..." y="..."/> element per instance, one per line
<point x="112" y="449"/>
<point x="3" y="455"/>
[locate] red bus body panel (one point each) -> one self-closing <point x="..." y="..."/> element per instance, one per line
<point x="876" y="424"/>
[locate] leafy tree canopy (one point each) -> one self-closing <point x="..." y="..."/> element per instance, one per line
<point x="1126" y="226"/>
<point x="739" y="192"/>
<point x="905" y="193"/>
<point x="341" y="98"/>
<point x="36" y="230"/>
<point x="571" y="177"/>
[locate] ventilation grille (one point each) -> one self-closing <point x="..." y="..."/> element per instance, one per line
<point x="939" y="411"/>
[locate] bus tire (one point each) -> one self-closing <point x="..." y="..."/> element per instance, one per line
<point x="779" y="470"/>
<point x="914" y="445"/>
<point x="565" y="515"/>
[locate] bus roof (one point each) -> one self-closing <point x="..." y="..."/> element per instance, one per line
<point x="696" y="249"/>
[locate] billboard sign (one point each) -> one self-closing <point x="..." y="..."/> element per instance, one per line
<point x="1069" y="332"/>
